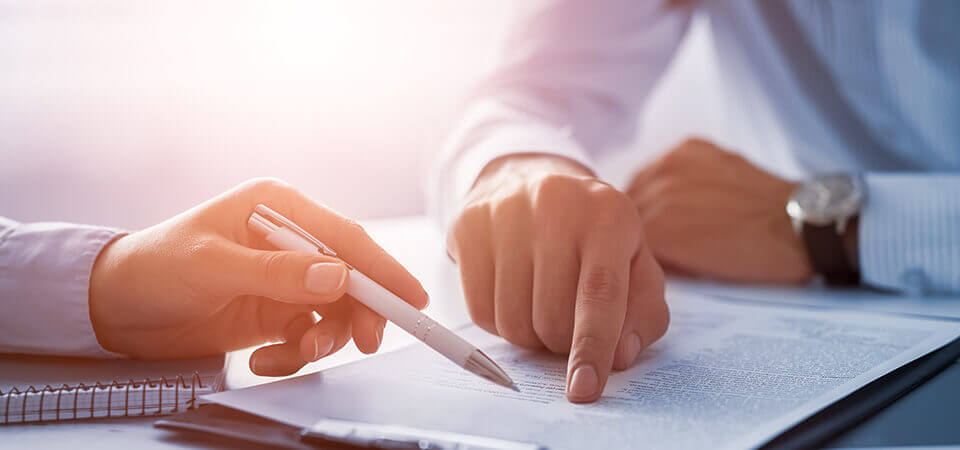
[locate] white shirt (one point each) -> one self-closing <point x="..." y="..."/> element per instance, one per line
<point x="868" y="86"/>
<point x="45" y="287"/>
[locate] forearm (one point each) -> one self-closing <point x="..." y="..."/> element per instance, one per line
<point x="570" y="83"/>
<point x="45" y="273"/>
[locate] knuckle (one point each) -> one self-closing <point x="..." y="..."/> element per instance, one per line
<point x="468" y="226"/>
<point x="509" y="208"/>
<point x="678" y="157"/>
<point x="352" y="234"/>
<point x="469" y="219"/>
<point x="609" y="199"/>
<point x="272" y="265"/>
<point x="587" y="342"/>
<point x="605" y="194"/>
<point x="355" y="229"/>
<point x="667" y="184"/>
<point x="693" y="142"/>
<point x="552" y="187"/>
<point x="599" y="288"/>
<point x="267" y="184"/>
<point x="614" y="214"/>
<point x="733" y="157"/>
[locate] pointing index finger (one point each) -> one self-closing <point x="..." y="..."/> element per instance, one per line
<point x="600" y="309"/>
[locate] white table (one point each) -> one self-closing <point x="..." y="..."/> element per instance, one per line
<point x="925" y="416"/>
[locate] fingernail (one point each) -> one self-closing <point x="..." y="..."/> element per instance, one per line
<point x="324" y="278"/>
<point x="321" y="346"/>
<point x="584" y="383"/>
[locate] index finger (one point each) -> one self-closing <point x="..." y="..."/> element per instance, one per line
<point x="351" y="242"/>
<point x="601" y="305"/>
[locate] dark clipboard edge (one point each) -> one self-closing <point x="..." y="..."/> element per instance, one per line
<point x="234" y="425"/>
<point x="820" y="428"/>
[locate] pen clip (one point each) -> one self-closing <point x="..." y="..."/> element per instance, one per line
<point x="276" y="220"/>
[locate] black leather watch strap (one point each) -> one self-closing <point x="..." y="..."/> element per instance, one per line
<point x="826" y="251"/>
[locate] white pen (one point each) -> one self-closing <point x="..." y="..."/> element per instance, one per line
<point x="286" y="235"/>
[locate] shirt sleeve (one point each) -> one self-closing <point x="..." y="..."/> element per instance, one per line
<point x="909" y="235"/>
<point x="44" y="287"/>
<point x="570" y="82"/>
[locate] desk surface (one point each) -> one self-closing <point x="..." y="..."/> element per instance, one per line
<point x="926" y="416"/>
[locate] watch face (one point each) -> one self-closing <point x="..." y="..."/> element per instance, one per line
<point x="826" y="199"/>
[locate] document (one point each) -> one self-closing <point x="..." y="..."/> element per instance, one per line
<point x="856" y="298"/>
<point x="726" y="375"/>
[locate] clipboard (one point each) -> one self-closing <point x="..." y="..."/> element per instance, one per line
<point x="818" y="430"/>
<point x="813" y="432"/>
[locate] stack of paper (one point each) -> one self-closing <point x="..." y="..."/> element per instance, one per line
<point x="726" y="375"/>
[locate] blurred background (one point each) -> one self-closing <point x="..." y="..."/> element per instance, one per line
<point x="126" y="112"/>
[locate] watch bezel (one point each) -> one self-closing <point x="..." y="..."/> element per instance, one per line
<point x="837" y="214"/>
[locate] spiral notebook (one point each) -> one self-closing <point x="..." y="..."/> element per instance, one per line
<point x="47" y="389"/>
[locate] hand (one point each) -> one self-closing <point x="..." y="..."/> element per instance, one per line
<point x="710" y="212"/>
<point x="551" y="257"/>
<point x="202" y="284"/>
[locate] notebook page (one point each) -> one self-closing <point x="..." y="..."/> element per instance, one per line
<point x="726" y="375"/>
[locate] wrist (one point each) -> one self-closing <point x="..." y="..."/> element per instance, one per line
<point x="102" y="285"/>
<point x="825" y="211"/>
<point x="526" y="165"/>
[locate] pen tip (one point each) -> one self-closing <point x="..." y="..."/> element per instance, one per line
<point x="482" y="365"/>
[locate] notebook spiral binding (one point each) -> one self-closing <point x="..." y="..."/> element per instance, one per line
<point x="65" y="393"/>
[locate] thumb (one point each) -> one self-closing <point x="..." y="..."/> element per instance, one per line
<point x="294" y="277"/>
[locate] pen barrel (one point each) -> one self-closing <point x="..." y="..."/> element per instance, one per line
<point x="411" y="320"/>
<point x="288" y="240"/>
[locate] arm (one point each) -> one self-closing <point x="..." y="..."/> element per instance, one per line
<point x="709" y="212"/>
<point x="44" y="283"/>
<point x="550" y="256"/>
<point x="909" y="232"/>
<point x="195" y="285"/>
<point x="572" y="78"/>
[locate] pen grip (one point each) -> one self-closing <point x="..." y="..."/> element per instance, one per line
<point x="386" y="304"/>
<point x="411" y="320"/>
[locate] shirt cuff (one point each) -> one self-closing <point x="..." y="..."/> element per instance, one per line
<point x="909" y="233"/>
<point x="45" y="273"/>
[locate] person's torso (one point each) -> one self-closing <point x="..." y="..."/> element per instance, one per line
<point x="856" y="85"/>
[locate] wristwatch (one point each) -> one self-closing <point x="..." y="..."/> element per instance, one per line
<point x="821" y="209"/>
